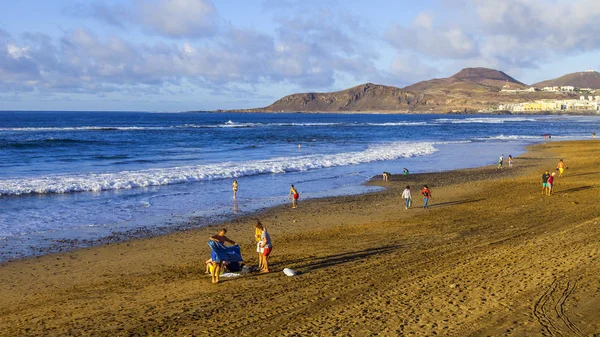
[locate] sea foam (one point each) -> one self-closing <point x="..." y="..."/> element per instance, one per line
<point x="226" y="170"/>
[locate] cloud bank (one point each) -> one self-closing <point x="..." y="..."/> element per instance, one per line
<point x="309" y="46"/>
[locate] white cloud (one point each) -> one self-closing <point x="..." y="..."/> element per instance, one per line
<point x="308" y="51"/>
<point x="423" y="36"/>
<point x="16" y="52"/>
<point x="177" y="18"/>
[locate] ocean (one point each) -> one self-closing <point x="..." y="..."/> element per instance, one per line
<point x="74" y="179"/>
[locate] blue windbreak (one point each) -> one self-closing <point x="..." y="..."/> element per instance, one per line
<point x="220" y="252"/>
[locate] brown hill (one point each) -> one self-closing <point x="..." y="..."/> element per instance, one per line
<point x="585" y="79"/>
<point x="478" y="79"/>
<point x="365" y="97"/>
<point x="469" y="90"/>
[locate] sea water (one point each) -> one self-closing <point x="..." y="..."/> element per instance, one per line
<point x="69" y="179"/>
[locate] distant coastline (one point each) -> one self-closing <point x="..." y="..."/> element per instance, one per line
<point x="470" y="91"/>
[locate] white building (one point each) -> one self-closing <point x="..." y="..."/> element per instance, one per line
<point x="567" y="88"/>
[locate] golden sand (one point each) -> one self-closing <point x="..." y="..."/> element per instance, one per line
<point x="491" y="257"/>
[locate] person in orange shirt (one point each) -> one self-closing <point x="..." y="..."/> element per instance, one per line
<point x="426" y="196"/>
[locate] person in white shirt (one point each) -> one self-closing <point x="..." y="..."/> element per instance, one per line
<point x="407" y="197"/>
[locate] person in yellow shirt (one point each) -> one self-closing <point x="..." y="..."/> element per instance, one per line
<point x="258" y="229"/>
<point x="561" y="167"/>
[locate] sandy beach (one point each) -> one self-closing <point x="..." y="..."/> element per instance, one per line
<point x="491" y="257"/>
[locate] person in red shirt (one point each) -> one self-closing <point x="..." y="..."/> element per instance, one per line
<point x="426" y="196"/>
<point x="551" y="183"/>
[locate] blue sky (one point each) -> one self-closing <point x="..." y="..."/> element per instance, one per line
<point x="175" y="55"/>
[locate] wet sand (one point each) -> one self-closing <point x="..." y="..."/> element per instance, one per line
<point x="491" y="257"/>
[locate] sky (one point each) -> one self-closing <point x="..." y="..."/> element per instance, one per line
<point x="180" y="55"/>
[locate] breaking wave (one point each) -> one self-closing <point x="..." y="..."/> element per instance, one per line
<point x="177" y="175"/>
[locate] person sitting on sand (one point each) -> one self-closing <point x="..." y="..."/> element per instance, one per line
<point x="407" y="197"/>
<point x="545" y="177"/>
<point x="217" y="263"/>
<point x="561" y="167"/>
<point x="266" y="246"/>
<point x="500" y="161"/>
<point x="294" y="195"/>
<point x="210" y="262"/>
<point x="426" y="196"/>
<point x="258" y="226"/>
<point x="234" y="186"/>
<point x="551" y="183"/>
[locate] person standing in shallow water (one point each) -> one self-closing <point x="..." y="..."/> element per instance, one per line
<point x="426" y="196"/>
<point x="407" y="197"/>
<point x="234" y="186"/>
<point x="294" y="195"/>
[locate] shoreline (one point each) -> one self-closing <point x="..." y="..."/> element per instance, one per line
<point x="485" y="237"/>
<point x="69" y="243"/>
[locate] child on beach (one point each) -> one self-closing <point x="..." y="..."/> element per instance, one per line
<point x="266" y="246"/>
<point x="561" y="167"/>
<point x="407" y="197"/>
<point x="258" y="237"/>
<point x="234" y="186"/>
<point x="294" y="195"/>
<point x="426" y="196"/>
<point x="551" y="183"/>
<point x="545" y="177"/>
<point x="510" y="160"/>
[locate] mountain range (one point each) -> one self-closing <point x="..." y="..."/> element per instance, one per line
<point x="469" y="90"/>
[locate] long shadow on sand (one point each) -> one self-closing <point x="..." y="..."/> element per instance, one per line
<point x="576" y="189"/>
<point x="583" y="174"/>
<point x="452" y="203"/>
<point x="337" y="259"/>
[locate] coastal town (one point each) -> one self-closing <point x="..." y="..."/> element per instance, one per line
<point x="588" y="100"/>
<point x="584" y="103"/>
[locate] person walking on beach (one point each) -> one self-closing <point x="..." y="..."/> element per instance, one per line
<point x="258" y="227"/>
<point x="510" y="160"/>
<point x="294" y="195"/>
<point x="426" y="196"/>
<point x="407" y="197"/>
<point x="266" y="245"/>
<point x="500" y="161"/>
<point x="561" y="167"/>
<point x="545" y="177"/>
<point x="234" y="186"/>
<point x="217" y="262"/>
<point x="551" y="183"/>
